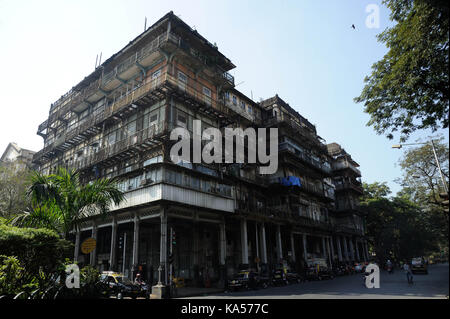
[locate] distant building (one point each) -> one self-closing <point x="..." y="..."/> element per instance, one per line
<point x="21" y="158"/>
<point x="202" y="222"/>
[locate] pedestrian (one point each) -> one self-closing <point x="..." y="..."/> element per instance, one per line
<point x="408" y="271"/>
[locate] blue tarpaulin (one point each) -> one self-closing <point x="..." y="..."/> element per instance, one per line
<point x="291" y="181"/>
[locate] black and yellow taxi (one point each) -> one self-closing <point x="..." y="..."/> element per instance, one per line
<point x="117" y="284"/>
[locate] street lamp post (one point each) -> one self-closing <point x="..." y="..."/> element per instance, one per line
<point x="398" y="146"/>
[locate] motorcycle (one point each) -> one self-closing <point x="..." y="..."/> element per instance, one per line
<point x="390" y="269"/>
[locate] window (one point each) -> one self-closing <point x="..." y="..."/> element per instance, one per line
<point x="206" y="91"/>
<point x="182" y="77"/>
<point x="181" y="118"/>
<point x="242" y="105"/>
<point x="227" y="96"/>
<point x="234" y="100"/>
<point x="250" y="109"/>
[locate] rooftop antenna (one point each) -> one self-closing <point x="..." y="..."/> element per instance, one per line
<point x="100" y="60"/>
<point x="145" y="24"/>
<point x="251" y="92"/>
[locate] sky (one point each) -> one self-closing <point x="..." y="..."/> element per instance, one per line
<point x="304" y="51"/>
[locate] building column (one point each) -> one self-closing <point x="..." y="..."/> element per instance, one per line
<point x="222" y="254"/>
<point x="357" y="250"/>
<point x="332" y="248"/>
<point x="305" y="252"/>
<point x="163" y="246"/>
<point x="367" y="250"/>
<point x="195" y="244"/>
<point x="292" y="247"/>
<point x="263" y="244"/>
<point x="324" y="248"/>
<point x="330" y="256"/>
<point x="93" y="254"/>
<point x="345" y="248"/>
<point x="339" y="248"/>
<point x="244" y="242"/>
<point x="352" y="251"/>
<point x="112" y="254"/>
<point x="135" y="260"/>
<point x="77" y="245"/>
<point x="279" y="245"/>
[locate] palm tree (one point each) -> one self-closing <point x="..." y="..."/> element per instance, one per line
<point x="60" y="201"/>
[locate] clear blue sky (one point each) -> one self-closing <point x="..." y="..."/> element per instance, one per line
<point x="305" y="51"/>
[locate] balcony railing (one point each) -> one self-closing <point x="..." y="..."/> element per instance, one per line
<point x="344" y="165"/>
<point x="350" y="185"/>
<point x="126" y="144"/>
<point x="305" y="157"/>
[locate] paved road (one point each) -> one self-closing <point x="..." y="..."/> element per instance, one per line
<point x="433" y="285"/>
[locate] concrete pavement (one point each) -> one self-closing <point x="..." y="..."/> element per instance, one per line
<point x="433" y="285"/>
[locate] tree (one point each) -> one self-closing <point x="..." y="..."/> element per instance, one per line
<point x="421" y="173"/>
<point x="59" y="201"/>
<point x="28" y="256"/>
<point x="397" y="227"/>
<point x="13" y="186"/>
<point x="408" y="88"/>
<point x="422" y="183"/>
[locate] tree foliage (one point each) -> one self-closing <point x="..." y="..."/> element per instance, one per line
<point x="408" y="88"/>
<point x="59" y="201"/>
<point x="397" y="227"/>
<point x="13" y="186"/>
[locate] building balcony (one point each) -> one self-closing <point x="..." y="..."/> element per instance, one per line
<point x="306" y="158"/>
<point x="137" y="142"/>
<point x="341" y="165"/>
<point x="355" y="185"/>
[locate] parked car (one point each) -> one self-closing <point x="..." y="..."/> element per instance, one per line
<point x="247" y="280"/>
<point x="418" y="265"/>
<point x="120" y="286"/>
<point x="279" y="277"/>
<point x="293" y="277"/>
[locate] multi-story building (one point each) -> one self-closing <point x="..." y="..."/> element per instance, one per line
<point x="16" y="157"/>
<point x="198" y="221"/>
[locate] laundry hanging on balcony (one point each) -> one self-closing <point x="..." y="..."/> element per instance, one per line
<point x="291" y="181"/>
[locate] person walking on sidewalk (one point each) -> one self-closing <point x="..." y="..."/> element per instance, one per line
<point x="409" y="275"/>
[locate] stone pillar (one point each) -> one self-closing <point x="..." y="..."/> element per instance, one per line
<point x="357" y="251"/>
<point x="332" y="248"/>
<point x="330" y="256"/>
<point x="135" y="260"/>
<point x="112" y="254"/>
<point x="77" y="245"/>
<point x="292" y="247"/>
<point x="222" y="254"/>
<point x="339" y="248"/>
<point x="352" y="251"/>
<point x="93" y="254"/>
<point x="324" y="248"/>
<point x="347" y="258"/>
<point x="195" y="259"/>
<point x="367" y="250"/>
<point x="279" y="245"/>
<point x="305" y="251"/>
<point x="244" y="242"/>
<point x="163" y="246"/>
<point x="263" y="244"/>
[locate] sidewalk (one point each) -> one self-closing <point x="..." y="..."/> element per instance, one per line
<point x="194" y="291"/>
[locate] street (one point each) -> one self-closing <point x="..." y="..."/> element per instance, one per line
<point x="433" y="285"/>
